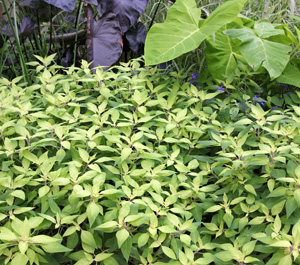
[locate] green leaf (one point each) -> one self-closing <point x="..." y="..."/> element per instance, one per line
<point x="297" y="196"/>
<point x="19" y="194"/>
<point x="60" y="182"/>
<point x="168" y="252"/>
<point x="167" y="229"/>
<point x="278" y="207"/>
<point x="249" y="188"/>
<point x="42" y="239"/>
<point x="258" y="52"/>
<point x="8" y="236"/>
<point x="107" y="225"/>
<point x="265" y="30"/>
<point x="280" y="191"/>
<point x="211" y="226"/>
<point x="122" y="236"/>
<point x="88" y="238"/>
<point x="290" y="76"/>
<point x="30" y="156"/>
<point x="277" y="224"/>
<point x="221" y="52"/>
<point x="103" y="256"/>
<point x="281" y="244"/>
<point x="55" y="248"/>
<point x="183" y="31"/>
<point x="286" y="260"/>
<point x="19" y="259"/>
<point x="43" y="191"/>
<point x="84" y="155"/>
<point x="92" y="211"/>
<point x="291" y="205"/>
<point x="23" y="246"/>
<point x="125" y="153"/>
<point x="214" y="208"/>
<point x="110" y="261"/>
<point x="126" y="248"/>
<point x="248" y="248"/>
<point x="143" y="239"/>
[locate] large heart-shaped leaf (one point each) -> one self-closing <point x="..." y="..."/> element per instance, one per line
<point x="182" y="32"/>
<point x="66" y="5"/>
<point x="41" y="7"/>
<point x="221" y="52"/>
<point x="105" y="44"/>
<point x="92" y="2"/>
<point x="67" y="58"/>
<point x="27" y="26"/>
<point x="127" y="11"/>
<point x="290" y="75"/>
<point x="258" y="52"/>
<point x="136" y="38"/>
<point x="34" y="4"/>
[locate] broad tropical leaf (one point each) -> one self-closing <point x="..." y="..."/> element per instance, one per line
<point x="67" y="58"/>
<point x="221" y="52"/>
<point x="136" y="37"/>
<point x="66" y="5"/>
<point x="27" y="26"/>
<point x="258" y="52"/>
<point x="290" y="75"/>
<point x="127" y="11"/>
<point x="34" y="4"/>
<point x="92" y="2"/>
<point x="106" y="44"/>
<point x="182" y="31"/>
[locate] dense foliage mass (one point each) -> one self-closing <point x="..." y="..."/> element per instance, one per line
<point x="135" y="166"/>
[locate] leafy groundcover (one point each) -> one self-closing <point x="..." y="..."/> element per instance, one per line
<point x="135" y="166"/>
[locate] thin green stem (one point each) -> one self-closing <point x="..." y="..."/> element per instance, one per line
<point x="294" y="52"/>
<point x="15" y="32"/>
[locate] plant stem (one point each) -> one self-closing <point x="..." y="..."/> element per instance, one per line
<point x="50" y="29"/>
<point x="39" y="27"/>
<point x="24" y="47"/>
<point x="76" y="27"/>
<point x="294" y="52"/>
<point x="155" y="12"/>
<point x="15" y="32"/>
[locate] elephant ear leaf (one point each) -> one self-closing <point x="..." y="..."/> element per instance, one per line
<point x="258" y="52"/>
<point x="92" y="2"/>
<point x="105" y="42"/>
<point x="136" y="38"/>
<point x="34" y="4"/>
<point x="127" y="11"/>
<point x="221" y="53"/>
<point x="27" y="26"/>
<point x="183" y="31"/>
<point x="66" y="5"/>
